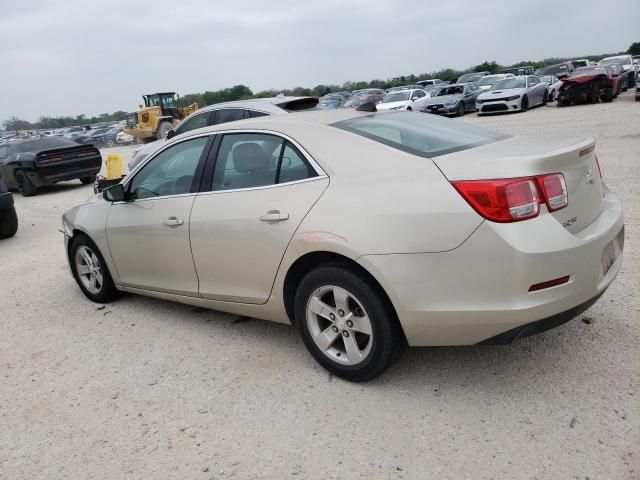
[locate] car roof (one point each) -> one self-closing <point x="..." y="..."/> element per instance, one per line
<point x="270" y="105"/>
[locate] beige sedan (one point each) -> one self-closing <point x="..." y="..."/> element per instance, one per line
<point x="366" y="231"/>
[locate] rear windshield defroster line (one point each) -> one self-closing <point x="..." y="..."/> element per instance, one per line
<point x="421" y="134"/>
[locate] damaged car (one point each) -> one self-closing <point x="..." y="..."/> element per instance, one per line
<point x="27" y="165"/>
<point x="8" y="216"/>
<point x="588" y="85"/>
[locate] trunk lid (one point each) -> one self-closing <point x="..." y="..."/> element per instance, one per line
<point x="532" y="156"/>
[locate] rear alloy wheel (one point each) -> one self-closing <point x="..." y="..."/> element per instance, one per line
<point x="345" y="324"/>
<point x="524" y="104"/>
<point x="90" y="271"/>
<point x="460" y="110"/>
<point x="25" y="185"/>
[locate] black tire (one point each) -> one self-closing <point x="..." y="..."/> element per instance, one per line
<point x="563" y="103"/>
<point x="387" y="339"/>
<point x="552" y="96"/>
<point x="608" y="96"/>
<point x="524" y="104"/>
<point x="409" y="109"/>
<point x="8" y="223"/>
<point x="25" y="185"/>
<point x="163" y="129"/>
<point x="88" y="180"/>
<point x="460" y="110"/>
<point x="545" y="98"/>
<point x="107" y="291"/>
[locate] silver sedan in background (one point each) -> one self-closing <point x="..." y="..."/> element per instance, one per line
<point x="513" y="95"/>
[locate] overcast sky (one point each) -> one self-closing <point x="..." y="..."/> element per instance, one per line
<point x="70" y="57"/>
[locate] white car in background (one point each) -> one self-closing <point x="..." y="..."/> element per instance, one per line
<point x="628" y="65"/>
<point x="485" y="83"/>
<point x="554" y="85"/>
<point x="226" y="112"/>
<point x="403" y="100"/>
<point x="122" y="137"/>
<point x="515" y="94"/>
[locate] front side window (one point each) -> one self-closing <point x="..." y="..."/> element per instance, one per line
<point x="197" y="121"/>
<point x="171" y="172"/>
<point x="249" y="160"/>
<point x="533" y="81"/>
<point x="229" y="115"/>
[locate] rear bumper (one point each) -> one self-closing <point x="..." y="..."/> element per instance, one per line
<point x="480" y="290"/>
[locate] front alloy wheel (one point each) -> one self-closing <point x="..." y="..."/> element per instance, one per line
<point x="89" y="269"/>
<point x="339" y="325"/>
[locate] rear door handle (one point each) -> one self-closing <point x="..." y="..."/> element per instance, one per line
<point x="274" y="216"/>
<point x="173" y="222"/>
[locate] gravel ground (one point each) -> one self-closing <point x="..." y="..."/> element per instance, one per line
<point x="149" y="389"/>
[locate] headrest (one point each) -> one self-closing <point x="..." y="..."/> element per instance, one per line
<point x="249" y="157"/>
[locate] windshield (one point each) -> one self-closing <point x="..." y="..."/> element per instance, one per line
<point x="422" y="135"/>
<point x="509" y="83"/>
<point x="470" y="77"/>
<point x="396" y="97"/>
<point x="583" y="72"/>
<point x="455" y="90"/>
<point x="622" y="60"/>
<point x="489" y="80"/>
<point x="554" y="69"/>
<point x="548" y="78"/>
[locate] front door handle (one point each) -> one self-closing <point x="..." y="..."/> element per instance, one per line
<point x="173" y="222"/>
<point x="274" y="216"/>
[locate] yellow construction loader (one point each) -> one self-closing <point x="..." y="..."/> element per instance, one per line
<point x="159" y="114"/>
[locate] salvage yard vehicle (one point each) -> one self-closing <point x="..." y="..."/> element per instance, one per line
<point x="27" y="165"/>
<point x="463" y="235"/>
<point x="518" y="71"/>
<point x="515" y="94"/>
<point x="554" y="85"/>
<point x="485" y="83"/>
<point x="628" y="65"/>
<point x="452" y="100"/>
<point x="471" y="77"/>
<point x="8" y="215"/>
<point x="560" y="70"/>
<point x="588" y="85"/>
<point x="159" y="114"/>
<point x="229" y="112"/>
<point x="431" y="82"/>
<point x="403" y="100"/>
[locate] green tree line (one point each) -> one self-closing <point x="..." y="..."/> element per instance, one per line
<point x="242" y="92"/>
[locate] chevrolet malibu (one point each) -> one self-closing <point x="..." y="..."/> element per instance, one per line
<point x="367" y="231"/>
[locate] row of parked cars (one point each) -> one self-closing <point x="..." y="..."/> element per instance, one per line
<point x="515" y="89"/>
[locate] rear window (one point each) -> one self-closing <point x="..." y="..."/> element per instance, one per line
<point x="44" y="143"/>
<point x="423" y="135"/>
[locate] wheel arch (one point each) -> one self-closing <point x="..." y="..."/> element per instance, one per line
<point x="309" y="261"/>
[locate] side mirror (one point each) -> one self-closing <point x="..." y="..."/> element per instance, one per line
<point x="170" y="134"/>
<point x="115" y="193"/>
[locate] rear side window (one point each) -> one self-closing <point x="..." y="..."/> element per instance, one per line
<point x="229" y="115"/>
<point x="256" y="114"/>
<point x="250" y="160"/>
<point x="423" y="135"/>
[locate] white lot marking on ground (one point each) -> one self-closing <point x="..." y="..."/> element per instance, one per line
<point x="150" y="389"/>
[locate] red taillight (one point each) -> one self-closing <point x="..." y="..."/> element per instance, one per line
<point x="554" y="190"/>
<point x="502" y="200"/>
<point x="514" y="199"/>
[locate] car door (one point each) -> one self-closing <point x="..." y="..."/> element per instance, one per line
<point x="148" y="235"/>
<point x="261" y="187"/>
<point x="535" y="90"/>
<point x="469" y="97"/>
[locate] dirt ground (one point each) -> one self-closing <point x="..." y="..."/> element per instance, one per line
<point x="146" y="389"/>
